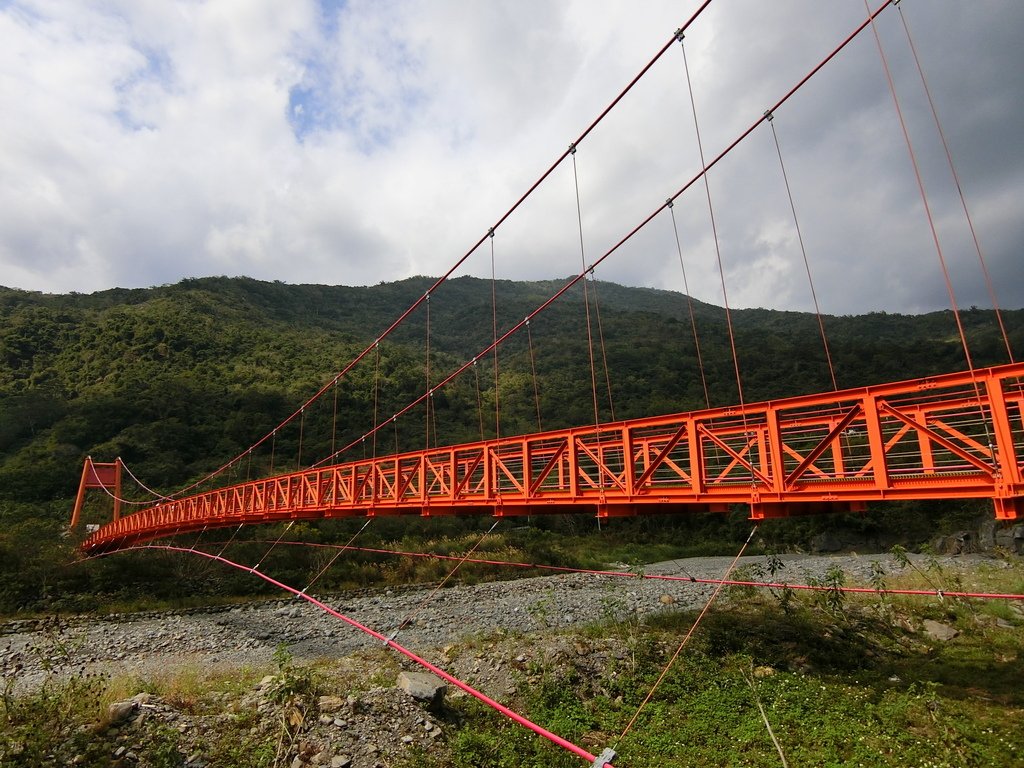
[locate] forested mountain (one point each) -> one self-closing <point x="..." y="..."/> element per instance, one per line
<point x="179" y="378"/>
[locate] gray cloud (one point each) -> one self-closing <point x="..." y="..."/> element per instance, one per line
<point x="365" y="141"/>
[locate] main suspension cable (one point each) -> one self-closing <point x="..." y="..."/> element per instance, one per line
<point x="640" y="226"/>
<point x="622" y="241"/>
<point x="272" y="435"/>
<point x="461" y="260"/>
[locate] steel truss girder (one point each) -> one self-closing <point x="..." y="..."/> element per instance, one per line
<point x="957" y="435"/>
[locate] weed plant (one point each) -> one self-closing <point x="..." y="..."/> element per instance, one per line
<point x="770" y="677"/>
<point x="781" y="678"/>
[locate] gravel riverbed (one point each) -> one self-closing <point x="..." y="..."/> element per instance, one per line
<point x="230" y="637"/>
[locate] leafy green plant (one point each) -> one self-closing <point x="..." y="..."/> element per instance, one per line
<point x="831" y="596"/>
<point x="46" y="716"/>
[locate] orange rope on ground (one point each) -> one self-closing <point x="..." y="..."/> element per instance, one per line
<point x="687" y="579"/>
<point x="596" y="761"/>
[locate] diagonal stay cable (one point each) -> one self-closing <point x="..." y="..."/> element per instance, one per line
<point x="231" y="539"/>
<point x="341" y="550"/>
<point x="597" y="761"/>
<point x="287" y="528"/>
<point x="409" y="617"/>
<point x="686" y="638"/>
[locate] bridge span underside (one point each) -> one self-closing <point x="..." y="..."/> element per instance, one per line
<point x="953" y="436"/>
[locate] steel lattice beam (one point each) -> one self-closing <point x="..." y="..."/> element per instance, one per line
<point x="953" y="436"/>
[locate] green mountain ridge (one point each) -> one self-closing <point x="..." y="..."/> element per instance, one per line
<point x="180" y="378"/>
<point x="86" y="373"/>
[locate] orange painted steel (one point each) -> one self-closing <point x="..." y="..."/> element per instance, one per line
<point x="98" y="475"/>
<point x="951" y="436"/>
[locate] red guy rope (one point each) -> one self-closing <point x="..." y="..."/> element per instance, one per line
<point x="514" y="716"/>
<point x="662" y="577"/>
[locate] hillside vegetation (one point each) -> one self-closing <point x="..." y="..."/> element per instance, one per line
<point x="177" y="379"/>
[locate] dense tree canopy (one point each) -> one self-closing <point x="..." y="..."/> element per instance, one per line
<point x="179" y="378"/>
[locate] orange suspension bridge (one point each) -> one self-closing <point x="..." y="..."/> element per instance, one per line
<point x="957" y="435"/>
<point x="947" y="437"/>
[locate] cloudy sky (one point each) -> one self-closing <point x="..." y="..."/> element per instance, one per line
<point x="359" y="141"/>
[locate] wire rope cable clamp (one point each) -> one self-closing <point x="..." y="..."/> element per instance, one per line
<point x="604" y="758"/>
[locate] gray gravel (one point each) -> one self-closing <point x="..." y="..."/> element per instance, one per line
<point x="152" y="644"/>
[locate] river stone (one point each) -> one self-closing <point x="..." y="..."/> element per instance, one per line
<point x="120" y="711"/>
<point x="330" y="703"/>
<point x="939" y="631"/>
<point x="423" y="687"/>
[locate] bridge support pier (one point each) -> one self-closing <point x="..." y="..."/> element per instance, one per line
<point x="1009" y="508"/>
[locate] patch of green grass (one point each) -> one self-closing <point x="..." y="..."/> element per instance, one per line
<point x="840" y="684"/>
<point x="842" y="680"/>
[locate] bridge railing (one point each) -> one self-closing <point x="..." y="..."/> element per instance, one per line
<point x="951" y="436"/>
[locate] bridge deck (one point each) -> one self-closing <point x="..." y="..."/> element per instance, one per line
<point x="952" y="436"/>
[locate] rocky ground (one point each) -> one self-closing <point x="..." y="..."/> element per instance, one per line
<point x="379" y="721"/>
<point x="228" y="637"/>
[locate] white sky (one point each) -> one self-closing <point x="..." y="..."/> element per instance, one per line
<point x="145" y="141"/>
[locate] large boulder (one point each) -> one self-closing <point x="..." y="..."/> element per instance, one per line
<point x="423" y="687"/>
